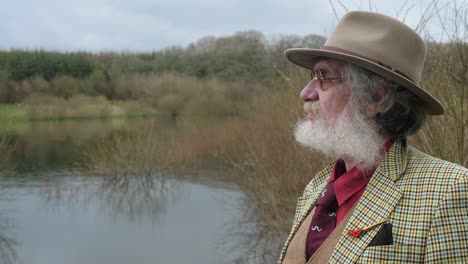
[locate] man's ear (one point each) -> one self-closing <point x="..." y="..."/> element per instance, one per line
<point x="380" y="100"/>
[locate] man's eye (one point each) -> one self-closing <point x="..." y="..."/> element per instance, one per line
<point x="322" y="73"/>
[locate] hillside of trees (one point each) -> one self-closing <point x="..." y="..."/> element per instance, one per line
<point x="245" y="56"/>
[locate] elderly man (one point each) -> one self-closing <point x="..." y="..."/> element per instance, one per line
<point x="381" y="201"/>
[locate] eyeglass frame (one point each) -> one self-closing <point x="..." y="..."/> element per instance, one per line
<point x="321" y="79"/>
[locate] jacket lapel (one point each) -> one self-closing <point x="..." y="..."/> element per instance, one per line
<point x="376" y="205"/>
<point x="310" y="196"/>
<point x="307" y="201"/>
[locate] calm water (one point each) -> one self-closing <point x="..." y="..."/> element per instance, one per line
<point x="54" y="210"/>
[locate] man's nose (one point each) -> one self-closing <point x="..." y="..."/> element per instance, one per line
<point x="309" y="93"/>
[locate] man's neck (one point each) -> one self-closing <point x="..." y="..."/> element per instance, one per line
<point x="350" y="163"/>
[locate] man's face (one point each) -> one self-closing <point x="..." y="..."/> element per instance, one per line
<point x="335" y="125"/>
<point x="331" y="97"/>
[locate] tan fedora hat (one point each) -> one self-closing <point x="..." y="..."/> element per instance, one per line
<point x="378" y="43"/>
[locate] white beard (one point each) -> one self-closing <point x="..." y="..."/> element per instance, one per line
<point x="352" y="137"/>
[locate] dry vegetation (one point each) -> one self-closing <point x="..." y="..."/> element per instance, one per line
<point x="247" y="125"/>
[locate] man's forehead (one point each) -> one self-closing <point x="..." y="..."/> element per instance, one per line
<point x="329" y="64"/>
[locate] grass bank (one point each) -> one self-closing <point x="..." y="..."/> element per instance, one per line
<point x="258" y="143"/>
<point x="43" y="107"/>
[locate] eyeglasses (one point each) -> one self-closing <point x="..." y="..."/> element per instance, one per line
<point x="318" y="75"/>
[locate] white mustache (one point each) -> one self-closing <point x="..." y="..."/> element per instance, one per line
<point x="311" y="107"/>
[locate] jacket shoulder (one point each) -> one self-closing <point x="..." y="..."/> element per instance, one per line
<point x="445" y="187"/>
<point x="426" y="170"/>
<point x="423" y="162"/>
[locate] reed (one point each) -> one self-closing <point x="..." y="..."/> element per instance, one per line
<point x="46" y="107"/>
<point x="257" y="142"/>
<point x="6" y="148"/>
<point x="446" y="76"/>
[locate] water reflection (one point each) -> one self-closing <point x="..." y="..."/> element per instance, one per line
<point x="8" y="244"/>
<point x="38" y="146"/>
<point x="138" y="221"/>
<point x="91" y="175"/>
<point x="126" y="197"/>
<point x="258" y="242"/>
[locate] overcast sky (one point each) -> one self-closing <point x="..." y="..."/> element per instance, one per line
<point x="146" y="25"/>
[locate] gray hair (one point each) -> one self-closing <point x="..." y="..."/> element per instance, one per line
<point x="402" y="114"/>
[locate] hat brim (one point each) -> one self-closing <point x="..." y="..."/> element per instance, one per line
<point x="307" y="58"/>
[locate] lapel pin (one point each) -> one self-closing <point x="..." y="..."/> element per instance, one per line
<point x="358" y="231"/>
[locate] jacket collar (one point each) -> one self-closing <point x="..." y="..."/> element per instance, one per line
<point x="391" y="167"/>
<point x="311" y="194"/>
<point x="375" y="205"/>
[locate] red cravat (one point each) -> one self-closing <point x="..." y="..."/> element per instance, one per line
<point x="332" y="207"/>
<point x="323" y="221"/>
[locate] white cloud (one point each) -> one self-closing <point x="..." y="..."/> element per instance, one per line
<point x="145" y="25"/>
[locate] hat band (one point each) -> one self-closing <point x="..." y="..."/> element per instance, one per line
<point x="335" y="49"/>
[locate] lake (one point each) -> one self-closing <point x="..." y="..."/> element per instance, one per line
<point x="55" y="209"/>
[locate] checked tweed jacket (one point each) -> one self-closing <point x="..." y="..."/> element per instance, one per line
<point x="424" y="198"/>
